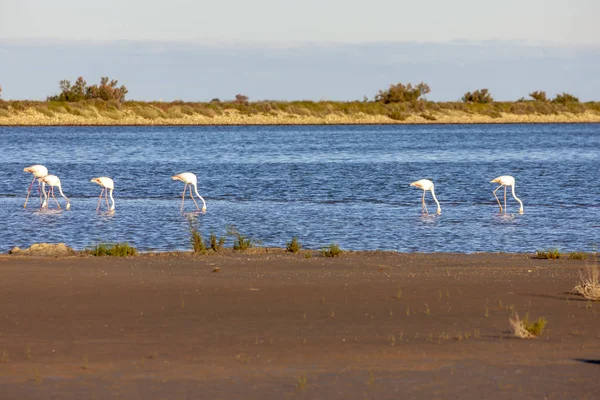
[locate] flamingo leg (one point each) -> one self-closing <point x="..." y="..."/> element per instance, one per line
<point x="183" y="196"/>
<point x="29" y="191"/>
<point x="100" y="199"/>
<point x="424" y="205"/>
<point x="497" y="199"/>
<point x="55" y="197"/>
<point x="106" y="195"/>
<point x="504" y="199"/>
<point x="192" y="196"/>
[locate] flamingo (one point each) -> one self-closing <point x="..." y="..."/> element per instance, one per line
<point x="38" y="171"/>
<point x="189" y="179"/>
<point x="53" y="181"/>
<point x="107" y="184"/>
<point x="506" y="180"/>
<point x="426" y="185"/>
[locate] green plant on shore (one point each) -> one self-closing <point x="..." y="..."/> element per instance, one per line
<point x="240" y="241"/>
<point x="216" y="243"/>
<point x="578" y="255"/>
<point x="524" y="329"/>
<point x="333" y="250"/>
<point x="294" y="246"/>
<point x="121" y="249"/>
<point x="196" y="239"/>
<point x="550" y="254"/>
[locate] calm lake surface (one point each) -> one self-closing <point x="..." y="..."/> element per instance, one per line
<point x="324" y="184"/>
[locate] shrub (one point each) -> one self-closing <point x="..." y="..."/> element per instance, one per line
<point x="216" y="243"/>
<point x="333" y="250"/>
<point x="241" y="99"/>
<point x="577" y="255"/>
<point x="196" y="239"/>
<point x="400" y="93"/>
<point x="527" y="330"/>
<point x="107" y="90"/>
<point x="240" y="242"/>
<point x="294" y="246"/>
<point x="114" y="249"/>
<point x="399" y="115"/>
<point x="479" y="96"/>
<point x="589" y="285"/>
<point x="565" y="98"/>
<point x="538" y="96"/>
<point x="550" y="254"/>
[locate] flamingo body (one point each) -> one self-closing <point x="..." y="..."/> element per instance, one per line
<point x="189" y="179"/>
<point x="53" y="181"/>
<point x="505" y="181"/>
<point x="108" y="185"/>
<point x="426" y="185"/>
<point x="38" y="171"/>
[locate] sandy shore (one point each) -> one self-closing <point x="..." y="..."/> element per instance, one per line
<point x="278" y="325"/>
<point x="32" y="117"/>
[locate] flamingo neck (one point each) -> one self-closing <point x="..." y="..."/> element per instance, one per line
<point x="439" y="209"/>
<point x="63" y="195"/>
<point x="112" y="199"/>
<point x="198" y="194"/>
<point x="517" y="199"/>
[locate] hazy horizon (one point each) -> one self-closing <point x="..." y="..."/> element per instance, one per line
<point x="196" y="71"/>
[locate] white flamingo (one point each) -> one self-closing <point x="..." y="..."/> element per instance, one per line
<point x="53" y="181"/>
<point x="506" y="180"/>
<point x="189" y="179"/>
<point x="107" y="185"/>
<point x="38" y="171"/>
<point x="426" y="185"/>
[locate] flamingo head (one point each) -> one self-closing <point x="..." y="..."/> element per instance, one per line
<point x="521" y="210"/>
<point x="68" y="207"/>
<point x="439" y="211"/>
<point x="203" y="208"/>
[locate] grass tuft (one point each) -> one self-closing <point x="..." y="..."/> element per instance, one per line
<point x="550" y="254"/>
<point x="240" y="242"/>
<point x="333" y="250"/>
<point x="294" y="246"/>
<point x="578" y="255"/>
<point x="524" y="329"/>
<point x="121" y="249"/>
<point x="216" y="243"/>
<point x="589" y="284"/>
<point x="196" y="239"/>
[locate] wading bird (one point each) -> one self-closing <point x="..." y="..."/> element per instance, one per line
<point x="189" y="179"/>
<point x="107" y="185"/>
<point x="53" y="181"/>
<point x="426" y="185"/>
<point x="506" y="180"/>
<point x="38" y="171"/>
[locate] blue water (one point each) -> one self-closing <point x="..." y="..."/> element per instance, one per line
<point x="324" y="184"/>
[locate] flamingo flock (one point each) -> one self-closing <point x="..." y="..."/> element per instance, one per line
<point x="40" y="173"/>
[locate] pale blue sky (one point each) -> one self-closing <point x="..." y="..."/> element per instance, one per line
<point x="561" y="21"/>
<point x="287" y="50"/>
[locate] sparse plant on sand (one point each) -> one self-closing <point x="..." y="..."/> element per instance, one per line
<point x="550" y="254"/>
<point x="216" y="243"/>
<point x="294" y="246"/>
<point x="589" y="283"/>
<point x="301" y="382"/>
<point x="578" y="255"/>
<point x="240" y="242"/>
<point x="196" y="239"/>
<point x="524" y="329"/>
<point x="333" y="250"/>
<point x="121" y="249"/>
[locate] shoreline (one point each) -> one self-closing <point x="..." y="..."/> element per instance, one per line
<point x="231" y="117"/>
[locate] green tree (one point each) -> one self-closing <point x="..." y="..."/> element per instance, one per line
<point x="478" y="96"/>
<point x="107" y="90"/>
<point x="401" y="93"/>
<point x="565" y="98"/>
<point x="538" y="96"/>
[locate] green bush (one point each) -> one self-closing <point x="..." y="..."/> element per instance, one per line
<point x="550" y="254"/>
<point x="333" y="250"/>
<point x="401" y="93"/>
<point x="216" y="243"/>
<point x="114" y="249"/>
<point x="479" y="96"/>
<point x="196" y="239"/>
<point x="240" y="242"/>
<point x="294" y="246"/>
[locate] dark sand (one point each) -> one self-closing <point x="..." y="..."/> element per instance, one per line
<point x="168" y="327"/>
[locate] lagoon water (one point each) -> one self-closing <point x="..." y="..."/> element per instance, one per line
<point x="324" y="184"/>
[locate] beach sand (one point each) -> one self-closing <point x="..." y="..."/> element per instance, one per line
<point x="32" y="117"/>
<point x="278" y="325"/>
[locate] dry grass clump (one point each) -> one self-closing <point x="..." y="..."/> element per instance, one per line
<point x="589" y="284"/>
<point x="550" y="254"/>
<point x="333" y="250"/>
<point x="578" y="255"/>
<point x="122" y="249"/>
<point x="294" y="246"/>
<point x="524" y="329"/>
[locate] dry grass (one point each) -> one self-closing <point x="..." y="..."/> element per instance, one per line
<point x="524" y="329"/>
<point x="589" y="284"/>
